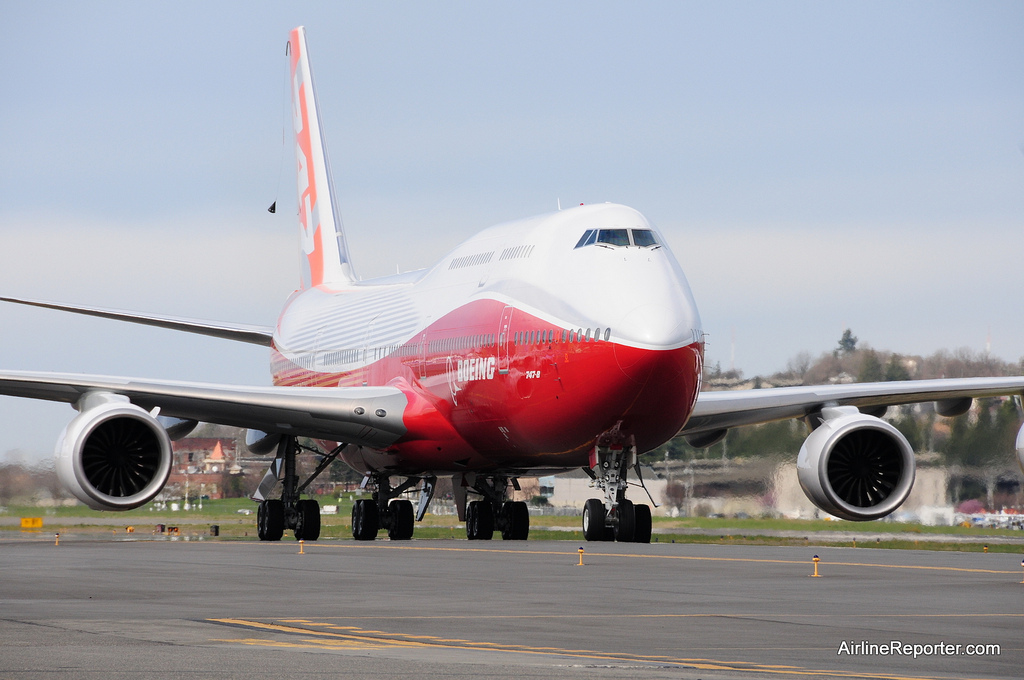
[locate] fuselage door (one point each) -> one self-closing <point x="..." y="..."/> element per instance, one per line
<point x="369" y="344"/>
<point x="423" y="355"/>
<point x="503" y="339"/>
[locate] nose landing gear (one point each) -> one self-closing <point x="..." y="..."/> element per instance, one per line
<point x="615" y="518"/>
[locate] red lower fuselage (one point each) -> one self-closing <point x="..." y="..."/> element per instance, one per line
<point x="497" y="385"/>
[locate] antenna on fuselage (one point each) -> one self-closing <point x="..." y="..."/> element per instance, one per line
<point x="559" y="204"/>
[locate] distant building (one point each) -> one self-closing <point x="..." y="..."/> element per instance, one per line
<point x="203" y="465"/>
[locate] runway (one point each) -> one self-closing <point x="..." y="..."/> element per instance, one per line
<point x="453" y="608"/>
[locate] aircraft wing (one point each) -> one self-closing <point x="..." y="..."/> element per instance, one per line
<point x="370" y="416"/>
<point x="717" y="411"/>
<point x="258" y="335"/>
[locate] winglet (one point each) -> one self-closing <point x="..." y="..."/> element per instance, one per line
<point x="325" y="259"/>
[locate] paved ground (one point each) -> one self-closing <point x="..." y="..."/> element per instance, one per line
<point x="92" y="608"/>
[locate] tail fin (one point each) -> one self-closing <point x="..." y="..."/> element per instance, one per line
<point x="325" y="258"/>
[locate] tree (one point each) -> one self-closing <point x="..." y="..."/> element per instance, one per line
<point x="895" y="369"/>
<point x="910" y="428"/>
<point x="675" y="495"/>
<point x="870" y="367"/>
<point x="799" y="364"/>
<point x="847" y="343"/>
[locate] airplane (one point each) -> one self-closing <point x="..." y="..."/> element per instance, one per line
<point x="559" y="342"/>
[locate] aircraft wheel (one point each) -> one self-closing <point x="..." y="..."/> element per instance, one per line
<point x="402" y="520"/>
<point x="270" y="520"/>
<point x="625" y="529"/>
<point x="365" y="520"/>
<point x="308" y="528"/>
<point x="593" y="520"/>
<point x="471" y="521"/>
<point x="642" y="525"/>
<point x="479" y="521"/>
<point x="517" y="521"/>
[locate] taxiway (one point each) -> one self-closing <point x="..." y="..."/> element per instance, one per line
<point x="93" y="608"/>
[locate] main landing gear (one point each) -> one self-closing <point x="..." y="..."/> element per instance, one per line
<point x="302" y="516"/>
<point x="384" y="510"/>
<point x="615" y="518"/>
<point x="494" y="512"/>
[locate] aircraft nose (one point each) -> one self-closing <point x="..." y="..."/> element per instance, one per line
<point x="654" y="325"/>
<point x="656" y="328"/>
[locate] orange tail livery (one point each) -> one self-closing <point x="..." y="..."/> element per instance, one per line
<point x="326" y="261"/>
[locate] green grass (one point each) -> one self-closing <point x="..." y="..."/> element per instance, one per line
<point x="722" y="531"/>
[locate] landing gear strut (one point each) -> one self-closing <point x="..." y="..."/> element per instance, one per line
<point x="615" y="518"/>
<point x="494" y="512"/>
<point x="290" y="512"/>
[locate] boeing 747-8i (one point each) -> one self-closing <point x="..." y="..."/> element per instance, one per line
<point x="558" y="342"/>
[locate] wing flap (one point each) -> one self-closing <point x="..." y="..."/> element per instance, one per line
<point x="368" y="416"/>
<point x="722" y="410"/>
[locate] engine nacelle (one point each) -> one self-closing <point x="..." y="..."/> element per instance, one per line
<point x="113" y="455"/>
<point x="261" y="443"/>
<point x="1020" y="448"/>
<point x="856" y="466"/>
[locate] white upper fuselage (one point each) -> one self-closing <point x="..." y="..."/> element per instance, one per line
<point x="527" y="340"/>
<point x="640" y="293"/>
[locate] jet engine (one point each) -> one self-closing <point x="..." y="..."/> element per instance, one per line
<point x="1020" y="448"/>
<point x="855" y="466"/>
<point x="113" y="455"/>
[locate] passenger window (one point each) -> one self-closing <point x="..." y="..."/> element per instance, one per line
<point x="644" y="238"/>
<point x="614" y="237"/>
<point x="563" y="335"/>
<point x="597" y="334"/>
<point x="588" y="336"/>
<point x="607" y="334"/>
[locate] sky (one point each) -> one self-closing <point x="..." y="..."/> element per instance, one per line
<point x="813" y="166"/>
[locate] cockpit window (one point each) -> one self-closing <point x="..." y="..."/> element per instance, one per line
<point x="613" y="237"/>
<point x="641" y="238"/>
<point x="587" y="238"/>
<point x="644" y="238"/>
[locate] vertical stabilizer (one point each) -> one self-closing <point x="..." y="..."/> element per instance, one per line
<point x="325" y="259"/>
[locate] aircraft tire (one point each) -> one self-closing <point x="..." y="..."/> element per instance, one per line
<point x="365" y="520"/>
<point x="517" y="521"/>
<point x="593" y="520"/>
<point x="270" y="520"/>
<point x="471" y="521"/>
<point x="625" y="529"/>
<point x="479" y="521"/>
<point x="642" y="524"/>
<point x="309" y="520"/>
<point x="402" y="520"/>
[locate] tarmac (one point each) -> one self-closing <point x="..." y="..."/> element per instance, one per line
<point x="95" y="607"/>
